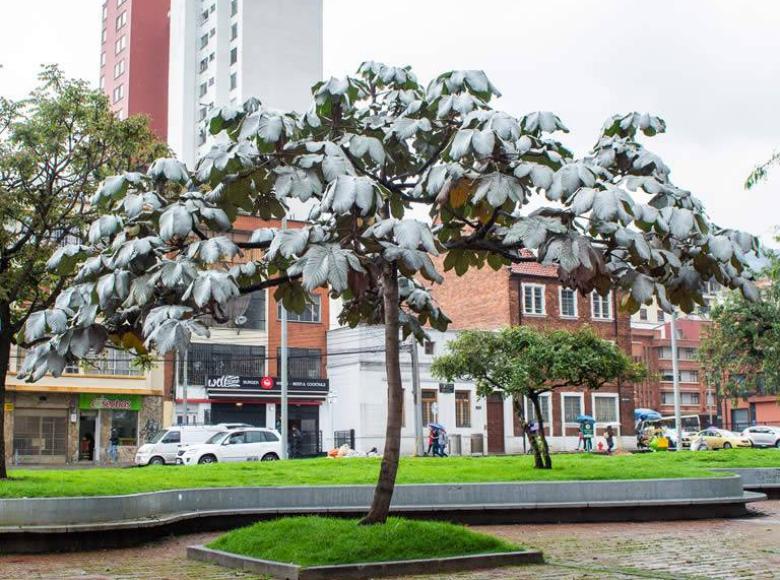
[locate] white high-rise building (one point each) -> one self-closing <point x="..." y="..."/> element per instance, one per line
<point x="226" y="51"/>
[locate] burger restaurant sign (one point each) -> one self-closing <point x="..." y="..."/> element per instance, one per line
<point x="237" y="386"/>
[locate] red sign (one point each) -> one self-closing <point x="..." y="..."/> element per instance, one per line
<point x="267" y="383"/>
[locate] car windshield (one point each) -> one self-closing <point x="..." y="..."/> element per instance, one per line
<point x="216" y="438"/>
<point x="157" y="437"/>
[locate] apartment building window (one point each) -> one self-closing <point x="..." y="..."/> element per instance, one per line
<point x="601" y="306"/>
<point x="204" y="40"/>
<point x="568" y="301"/>
<point x="430" y="347"/>
<point x="233" y="81"/>
<point x="605" y="408"/>
<point x="233" y="55"/>
<point x="119" y="92"/>
<point x="234" y="31"/>
<point x="211" y="81"/>
<point x="233" y="7"/>
<point x="660" y="316"/>
<point x="310" y="314"/>
<point x="572" y="407"/>
<point x="212" y="56"/>
<point x="686" y="376"/>
<point x="105" y="11"/>
<point x="302" y="363"/>
<point x="102" y="82"/>
<point x="212" y="32"/>
<point x="544" y="403"/>
<point x="204" y="64"/>
<point x="210" y="359"/>
<point x="204" y="16"/>
<point x="102" y="59"/>
<point x="121" y="44"/>
<point x="119" y="68"/>
<point x="533" y="299"/>
<point x="203" y="113"/>
<point x="103" y="36"/>
<point x="112" y="362"/>
<point x="462" y="408"/>
<point x="203" y="88"/>
<point x="212" y="8"/>
<point x="201" y="137"/>
<point x="667" y="398"/>
<point x="428" y="406"/>
<point x="643" y="314"/>
<point x="119" y="3"/>
<point x="683" y="353"/>
<point x="121" y="20"/>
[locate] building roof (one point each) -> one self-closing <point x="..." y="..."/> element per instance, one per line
<point x="533" y="268"/>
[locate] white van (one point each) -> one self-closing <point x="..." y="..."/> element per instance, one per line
<point x="164" y="446"/>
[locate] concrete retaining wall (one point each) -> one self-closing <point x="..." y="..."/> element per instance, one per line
<point x="431" y="497"/>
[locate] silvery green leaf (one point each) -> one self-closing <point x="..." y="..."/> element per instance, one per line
<point x="65" y="258"/>
<point x="212" y="286"/>
<point x="262" y="235"/>
<point x="483" y="142"/>
<point x="414" y="260"/>
<point x="541" y="176"/>
<point x="444" y="107"/>
<point x="335" y="163"/>
<point x="141" y="291"/>
<point x="169" y="169"/>
<point x="175" y="221"/>
<point x="213" y="250"/>
<point x="720" y="247"/>
<point x="301" y="184"/>
<point x="642" y="288"/>
<point x="35" y="327"/>
<point x="460" y="144"/>
<point x="750" y="290"/>
<point x="178" y="273"/>
<point x="359" y="145"/>
<point x="680" y="222"/>
<point x="405" y="128"/>
<point x="216" y="218"/>
<point x="132" y="249"/>
<point x="411" y="234"/>
<point x="583" y="200"/>
<point x="348" y="192"/>
<point x="289" y="243"/>
<point x="562" y="251"/>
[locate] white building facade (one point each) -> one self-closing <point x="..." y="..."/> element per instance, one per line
<point x="226" y="51"/>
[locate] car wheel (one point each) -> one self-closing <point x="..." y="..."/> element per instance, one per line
<point x="157" y="460"/>
<point x="269" y="457"/>
<point x="207" y="459"/>
<point x="777" y="443"/>
<point x="727" y="446"/>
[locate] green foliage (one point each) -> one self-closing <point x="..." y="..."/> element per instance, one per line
<point x="343" y="541"/>
<point x="740" y="351"/>
<point x="308" y="472"/>
<point x="523" y="361"/>
<point x="761" y="171"/>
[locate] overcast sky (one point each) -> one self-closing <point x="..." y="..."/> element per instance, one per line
<point x="709" y="68"/>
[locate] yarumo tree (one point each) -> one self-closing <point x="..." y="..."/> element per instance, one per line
<point x="740" y="350"/>
<point x="371" y="147"/>
<point x="55" y="148"/>
<point x="521" y="361"/>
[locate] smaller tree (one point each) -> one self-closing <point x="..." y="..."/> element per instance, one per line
<point x="740" y="351"/>
<point x="525" y="362"/>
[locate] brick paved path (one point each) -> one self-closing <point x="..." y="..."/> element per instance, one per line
<point x="744" y="548"/>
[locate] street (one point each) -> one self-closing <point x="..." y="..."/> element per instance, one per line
<point x="740" y="548"/>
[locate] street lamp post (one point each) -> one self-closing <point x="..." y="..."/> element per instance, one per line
<point x="285" y="454"/>
<point x="676" y="382"/>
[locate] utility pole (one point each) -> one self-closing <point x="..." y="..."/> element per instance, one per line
<point x="417" y="394"/>
<point x="676" y="382"/>
<point x="285" y="454"/>
<point x="184" y="386"/>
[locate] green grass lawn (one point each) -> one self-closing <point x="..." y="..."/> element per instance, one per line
<point x="342" y="541"/>
<point x="111" y="481"/>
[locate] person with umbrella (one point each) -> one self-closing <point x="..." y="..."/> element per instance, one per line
<point x="586" y="430"/>
<point x="437" y="439"/>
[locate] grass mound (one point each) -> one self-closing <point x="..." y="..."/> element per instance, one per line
<point x="308" y="472"/>
<point x="316" y="541"/>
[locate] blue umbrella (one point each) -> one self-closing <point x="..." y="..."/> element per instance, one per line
<point x="585" y="419"/>
<point x="646" y="415"/>
<point x="436" y="425"/>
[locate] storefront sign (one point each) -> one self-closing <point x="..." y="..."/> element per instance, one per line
<point x="236" y="386"/>
<point x="447" y="388"/>
<point x="116" y="402"/>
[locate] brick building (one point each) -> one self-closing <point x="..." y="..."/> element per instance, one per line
<point x="222" y="380"/>
<point x="531" y="294"/>
<point x="653" y="347"/>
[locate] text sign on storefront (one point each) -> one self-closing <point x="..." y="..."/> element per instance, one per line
<point x="115" y="402"/>
<point x="447" y="388"/>
<point x="234" y="385"/>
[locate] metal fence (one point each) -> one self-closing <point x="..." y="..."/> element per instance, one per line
<point x="344" y="438"/>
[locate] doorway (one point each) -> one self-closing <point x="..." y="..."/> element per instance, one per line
<point x="303" y="424"/>
<point x="495" y="424"/>
<point x="87" y="426"/>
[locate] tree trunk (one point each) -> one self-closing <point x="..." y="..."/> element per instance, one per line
<point x="542" y="443"/>
<point x="380" y="505"/>
<point x="518" y="408"/>
<point x="5" y="355"/>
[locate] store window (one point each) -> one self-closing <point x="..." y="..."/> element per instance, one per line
<point x="311" y="313"/>
<point x="462" y="409"/>
<point x="428" y="406"/>
<point x="125" y="424"/>
<point x="40" y="433"/>
<point x="210" y="359"/>
<point x="302" y="363"/>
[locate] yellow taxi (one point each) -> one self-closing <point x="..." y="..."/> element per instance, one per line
<point x="713" y="438"/>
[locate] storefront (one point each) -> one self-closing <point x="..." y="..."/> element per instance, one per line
<point x="256" y="401"/>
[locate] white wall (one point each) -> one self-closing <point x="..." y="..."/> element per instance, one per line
<point x="183" y="79"/>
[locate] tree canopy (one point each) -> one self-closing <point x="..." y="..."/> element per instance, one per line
<point x="159" y="259"/>
<point x="522" y="361"/>
<point x="56" y="146"/>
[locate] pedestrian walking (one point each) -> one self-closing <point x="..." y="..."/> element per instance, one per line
<point x="432" y="441"/>
<point x="580" y="439"/>
<point x="441" y="440"/>
<point x="587" y="434"/>
<point x="295" y="441"/>
<point x="113" y="446"/>
<point x="610" y="437"/>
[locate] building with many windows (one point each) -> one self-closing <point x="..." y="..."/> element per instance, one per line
<point x="531" y="294"/>
<point x="134" y="59"/>
<point x="226" y="51"/>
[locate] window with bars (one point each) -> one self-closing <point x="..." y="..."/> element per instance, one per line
<point x="683" y="353"/>
<point x="605" y="409"/>
<point x="572" y="408"/>
<point x="533" y="299"/>
<point x="568" y="303"/>
<point x="462" y="409"/>
<point x="685" y="376"/>
<point x="302" y="363"/>
<point x="310" y="314"/>
<point x="428" y="402"/>
<point x="207" y="359"/>
<point x="601" y="306"/>
<point x="111" y="361"/>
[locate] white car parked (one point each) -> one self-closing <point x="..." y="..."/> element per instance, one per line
<point x="255" y="444"/>
<point x="763" y="436"/>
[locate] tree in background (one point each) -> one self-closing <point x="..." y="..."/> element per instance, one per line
<point x="55" y="148"/>
<point x="740" y="350"/>
<point x="522" y="362"/>
<point x="372" y="147"/>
